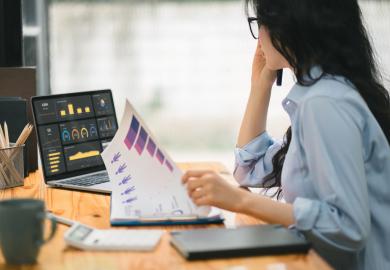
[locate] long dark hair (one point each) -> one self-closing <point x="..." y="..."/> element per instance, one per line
<point x="331" y="34"/>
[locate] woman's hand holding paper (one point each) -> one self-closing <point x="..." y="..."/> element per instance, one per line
<point x="209" y="188"/>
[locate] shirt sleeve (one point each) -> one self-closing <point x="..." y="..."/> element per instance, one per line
<point x="254" y="160"/>
<point x="331" y="139"/>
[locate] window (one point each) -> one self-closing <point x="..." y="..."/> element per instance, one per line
<point x="185" y="71"/>
<point x="35" y="41"/>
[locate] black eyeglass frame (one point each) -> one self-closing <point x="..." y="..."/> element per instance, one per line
<point x="280" y="71"/>
<point x="250" y="20"/>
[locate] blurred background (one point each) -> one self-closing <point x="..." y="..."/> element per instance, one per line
<point x="184" y="65"/>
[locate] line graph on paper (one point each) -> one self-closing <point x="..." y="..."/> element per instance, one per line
<point x="128" y="195"/>
<point x="172" y="208"/>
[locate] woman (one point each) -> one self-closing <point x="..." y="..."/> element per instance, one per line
<point x="333" y="167"/>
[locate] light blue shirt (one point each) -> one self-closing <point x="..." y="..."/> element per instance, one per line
<point x="336" y="173"/>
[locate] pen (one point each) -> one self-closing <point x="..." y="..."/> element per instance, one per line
<point x="279" y="77"/>
<point x="60" y="219"/>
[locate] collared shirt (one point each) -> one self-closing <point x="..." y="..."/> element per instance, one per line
<point x="336" y="173"/>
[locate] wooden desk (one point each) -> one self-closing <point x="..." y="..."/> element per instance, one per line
<point x="93" y="210"/>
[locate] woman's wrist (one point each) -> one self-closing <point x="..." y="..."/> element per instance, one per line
<point x="246" y="201"/>
<point x="241" y="200"/>
<point x="264" y="208"/>
<point x="262" y="86"/>
<point x="265" y="80"/>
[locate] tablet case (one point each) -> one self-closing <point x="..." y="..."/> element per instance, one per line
<point x="168" y="221"/>
<point x="243" y="241"/>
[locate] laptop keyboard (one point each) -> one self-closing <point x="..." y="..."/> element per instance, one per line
<point x="88" y="180"/>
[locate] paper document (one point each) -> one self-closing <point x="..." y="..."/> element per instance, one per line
<point x="146" y="183"/>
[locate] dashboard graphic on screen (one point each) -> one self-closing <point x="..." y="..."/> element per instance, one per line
<point x="73" y="130"/>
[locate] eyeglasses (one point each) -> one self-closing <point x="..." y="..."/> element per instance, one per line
<point x="254" y="26"/>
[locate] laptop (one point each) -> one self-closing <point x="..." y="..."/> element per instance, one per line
<point x="72" y="130"/>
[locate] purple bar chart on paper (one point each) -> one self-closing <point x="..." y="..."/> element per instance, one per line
<point x="160" y="156"/>
<point x="141" y="141"/>
<point x="138" y="138"/>
<point x="151" y="147"/>
<point x="168" y="164"/>
<point x="132" y="133"/>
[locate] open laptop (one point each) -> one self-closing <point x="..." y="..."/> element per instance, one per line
<point x="72" y="131"/>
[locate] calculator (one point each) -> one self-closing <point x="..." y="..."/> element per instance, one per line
<point x="87" y="238"/>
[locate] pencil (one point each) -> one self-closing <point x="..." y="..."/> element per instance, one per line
<point x="7" y="159"/>
<point x="22" y="134"/>
<point x="23" y="137"/>
<point x="6" y="134"/>
<point x="2" y="139"/>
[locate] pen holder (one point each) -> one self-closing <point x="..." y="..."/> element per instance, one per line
<point x="11" y="166"/>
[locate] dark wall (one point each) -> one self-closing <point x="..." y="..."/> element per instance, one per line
<point x="20" y="82"/>
<point x="11" y="45"/>
<point x="16" y="81"/>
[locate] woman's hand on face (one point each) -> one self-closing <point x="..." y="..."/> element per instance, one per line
<point x="261" y="75"/>
<point x="208" y="188"/>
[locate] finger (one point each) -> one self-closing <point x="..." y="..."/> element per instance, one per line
<point x="204" y="200"/>
<point x="195" y="184"/>
<point x="258" y="45"/>
<point x="209" y="177"/>
<point x="206" y="179"/>
<point x="194" y="173"/>
<point x="259" y="54"/>
<point x="259" y="48"/>
<point x="196" y="194"/>
<point x="189" y="179"/>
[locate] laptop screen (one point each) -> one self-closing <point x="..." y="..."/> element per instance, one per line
<point x="73" y="129"/>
